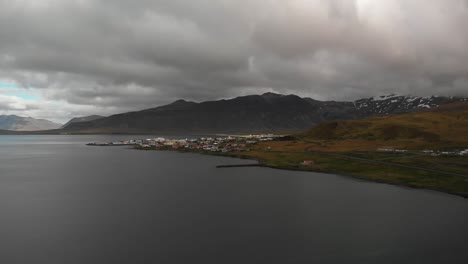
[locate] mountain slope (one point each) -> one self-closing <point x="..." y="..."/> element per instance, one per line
<point x="82" y="119"/>
<point x="19" y="123"/>
<point x="249" y="114"/>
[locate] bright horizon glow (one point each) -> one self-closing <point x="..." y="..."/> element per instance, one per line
<point x="12" y="89"/>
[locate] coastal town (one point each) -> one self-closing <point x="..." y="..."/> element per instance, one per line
<point x="212" y="144"/>
<point x="236" y="143"/>
<point x="233" y="143"/>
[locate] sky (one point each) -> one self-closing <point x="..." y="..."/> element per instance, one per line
<point x="62" y="58"/>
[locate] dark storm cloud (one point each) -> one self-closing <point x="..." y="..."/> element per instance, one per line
<point x="112" y="56"/>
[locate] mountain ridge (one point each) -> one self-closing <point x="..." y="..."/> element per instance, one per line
<point x="269" y="112"/>
<point x="82" y="119"/>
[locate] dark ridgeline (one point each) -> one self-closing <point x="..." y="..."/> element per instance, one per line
<point x="82" y="119"/>
<point x="250" y="114"/>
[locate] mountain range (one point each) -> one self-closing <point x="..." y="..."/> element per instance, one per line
<point x="19" y="123"/>
<point x="269" y="112"/>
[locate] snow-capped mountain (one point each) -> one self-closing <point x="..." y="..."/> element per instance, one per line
<point x="390" y="104"/>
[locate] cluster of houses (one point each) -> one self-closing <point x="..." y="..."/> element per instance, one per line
<point x="426" y="151"/>
<point x="214" y="144"/>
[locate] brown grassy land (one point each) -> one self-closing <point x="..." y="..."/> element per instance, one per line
<point x="442" y="128"/>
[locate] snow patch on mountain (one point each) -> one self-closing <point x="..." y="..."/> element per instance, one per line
<point x="389" y="104"/>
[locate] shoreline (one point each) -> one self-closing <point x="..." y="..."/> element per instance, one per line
<point x="261" y="164"/>
<point x="240" y="166"/>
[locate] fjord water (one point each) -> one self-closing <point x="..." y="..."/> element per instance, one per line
<point x="64" y="202"/>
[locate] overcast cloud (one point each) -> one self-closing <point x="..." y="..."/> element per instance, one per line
<point x="60" y="59"/>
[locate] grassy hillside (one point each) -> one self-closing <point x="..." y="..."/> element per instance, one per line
<point x="444" y="127"/>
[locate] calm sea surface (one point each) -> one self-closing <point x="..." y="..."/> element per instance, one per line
<point x="64" y="202"/>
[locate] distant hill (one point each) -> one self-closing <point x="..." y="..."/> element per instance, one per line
<point x="269" y="112"/>
<point x="82" y="119"/>
<point x="19" y="123"/>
